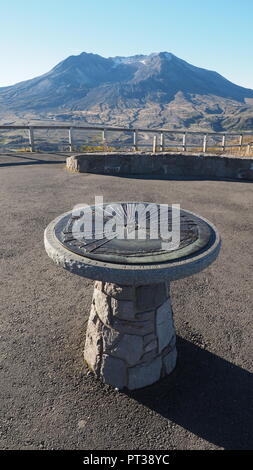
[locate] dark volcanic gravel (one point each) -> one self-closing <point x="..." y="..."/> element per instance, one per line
<point x="47" y="399"/>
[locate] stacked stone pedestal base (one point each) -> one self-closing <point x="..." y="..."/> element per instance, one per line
<point x="130" y="339"/>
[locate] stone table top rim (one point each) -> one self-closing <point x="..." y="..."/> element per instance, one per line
<point x="128" y="274"/>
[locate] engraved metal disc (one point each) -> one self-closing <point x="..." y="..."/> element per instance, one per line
<point x="141" y="236"/>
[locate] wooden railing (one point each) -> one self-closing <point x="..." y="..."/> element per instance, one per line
<point x="157" y="143"/>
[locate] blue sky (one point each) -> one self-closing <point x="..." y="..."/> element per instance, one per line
<point x="215" y="34"/>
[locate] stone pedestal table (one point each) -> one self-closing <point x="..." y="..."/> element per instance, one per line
<point x="130" y="338"/>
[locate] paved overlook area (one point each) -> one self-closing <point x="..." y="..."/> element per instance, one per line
<point x="47" y="399"/>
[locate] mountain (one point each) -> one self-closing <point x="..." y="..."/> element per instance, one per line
<point x="142" y="90"/>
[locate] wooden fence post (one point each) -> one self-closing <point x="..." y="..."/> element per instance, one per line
<point x="184" y="142"/>
<point x="135" y="139"/>
<point x="154" y="143"/>
<point x="103" y="137"/>
<point x="161" y="142"/>
<point x="205" y="143"/>
<point x="70" y="140"/>
<point x="31" y="139"/>
<point x="223" y="142"/>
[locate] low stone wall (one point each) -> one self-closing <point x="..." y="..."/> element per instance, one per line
<point x="166" y="165"/>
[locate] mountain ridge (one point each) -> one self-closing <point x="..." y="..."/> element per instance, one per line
<point x="151" y="90"/>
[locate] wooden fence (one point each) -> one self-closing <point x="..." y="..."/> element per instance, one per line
<point x="239" y="139"/>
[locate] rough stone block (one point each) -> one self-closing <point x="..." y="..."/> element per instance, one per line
<point x="145" y="316"/>
<point x="110" y="338"/>
<point x="144" y="374"/>
<point x="148" y="338"/>
<point x="123" y="309"/>
<point x="148" y="356"/>
<point x="170" y="345"/>
<point x="129" y="348"/>
<point x="93" y="343"/>
<point x="119" y="292"/>
<point x="150" y="296"/>
<point x="102" y="306"/>
<point x="151" y="345"/>
<point x="172" y="342"/>
<point x="164" y="325"/>
<point x="113" y="371"/>
<point x="98" y="285"/>
<point x="133" y="328"/>
<point x="93" y="315"/>
<point x="169" y="361"/>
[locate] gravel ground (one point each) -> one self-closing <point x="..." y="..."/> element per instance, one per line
<point x="48" y="401"/>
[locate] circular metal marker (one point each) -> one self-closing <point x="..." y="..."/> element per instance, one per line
<point x="132" y="233"/>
